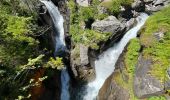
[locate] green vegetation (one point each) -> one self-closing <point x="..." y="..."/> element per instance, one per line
<point x="114" y="6"/>
<point x="80" y="16"/>
<point x="157" y="98"/>
<point x="130" y="61"/>
<point x="132" y="55"/>
<point x="56" y="63"/>
<point x="20" y="54"/>
<point x="157" y="50"/>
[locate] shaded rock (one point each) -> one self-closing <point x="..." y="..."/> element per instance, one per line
<point x="144" y="84"/>
<point x="159" y="2"/>
<point x="81" y="65"/>
<point x="138" y="5"/>
<point x="110" y="24"/>
<point x="148" y="1"/>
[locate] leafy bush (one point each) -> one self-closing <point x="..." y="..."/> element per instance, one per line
<point x="131" y="56"/>
<point x="56" y="63"/>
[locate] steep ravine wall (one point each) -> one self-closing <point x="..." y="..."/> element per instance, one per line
<point x="147" y="76"/>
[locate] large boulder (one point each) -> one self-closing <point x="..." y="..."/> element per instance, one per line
<point x="110" y="24"/>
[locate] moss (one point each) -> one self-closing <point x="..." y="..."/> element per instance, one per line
<point x="130" y="61"/>
<point x="132" y="55"/>
<point x="157" y="98"/>
<point x="114" y="5"/>
<point x="158" y="51"/>
<point x="81" y="15"/>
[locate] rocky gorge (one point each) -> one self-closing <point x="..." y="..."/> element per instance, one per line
<point x="91" y="29"/>
<point x="82" y="56"/>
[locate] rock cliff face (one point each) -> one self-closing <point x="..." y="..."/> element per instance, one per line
<point x="148" y="79"/>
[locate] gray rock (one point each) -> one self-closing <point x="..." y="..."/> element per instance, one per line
<point x="144" y="84"/>
<point x="81" y="65"/>
<point x="130" y="23"/>
<point x="84" y="3"/>
<point x="102" y="10"/>
<point x="155" y="5"/>
<point x="84" y="55"/>
<point x="168" y="71"/>
<point x="152" y="8"/>
<point x="138" y="5"/>
<point x="110" y="24"/>
<point x="148" y="1"/>
<point x="158" y="2"/>
<point x="159" y="35"/>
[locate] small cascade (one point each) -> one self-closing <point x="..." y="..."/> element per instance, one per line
<point x="104" y="66"/>
<point x="65" y="85"/>
<point x="60" y="46"/>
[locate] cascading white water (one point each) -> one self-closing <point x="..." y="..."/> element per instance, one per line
<point x="60" y="44"/>
<point x="104" y="66"/>
<point x="65" y="85"/>
<point x="58" y="24"/>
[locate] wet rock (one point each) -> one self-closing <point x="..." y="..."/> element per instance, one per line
<point x="130" y="23"/>
<point x="110" y="24"/>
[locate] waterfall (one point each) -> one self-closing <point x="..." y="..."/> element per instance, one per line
<point x="104" y="66"/>
<point x="58" y="21"/>
<point x="60" y="45"/>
